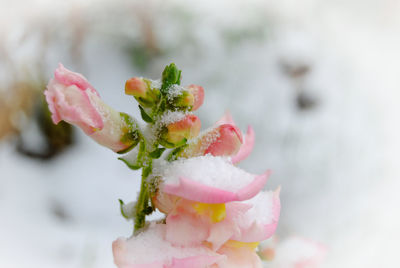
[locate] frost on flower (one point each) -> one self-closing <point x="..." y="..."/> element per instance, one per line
<point x="215" y="213"/>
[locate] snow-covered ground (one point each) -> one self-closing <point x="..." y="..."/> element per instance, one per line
<point x="336" y="160"/>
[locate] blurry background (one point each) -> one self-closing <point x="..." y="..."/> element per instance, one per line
<point x="318" y="80"/>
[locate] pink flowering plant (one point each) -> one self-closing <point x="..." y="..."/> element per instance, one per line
<point x="215" y="214"/>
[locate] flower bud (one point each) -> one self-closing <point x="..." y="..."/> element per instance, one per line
<point x="71" y="98"/>
<point x="177" y="133"/>
<point x="198" y="95"/>
<point x="184" y="100"/>
<point x="223" y="140"/>
<point x="142" y="91"/>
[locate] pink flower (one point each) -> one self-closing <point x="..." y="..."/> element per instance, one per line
<point x="71" y="98"/>
<point x="248" y="143"/>
<point x="150" y="249"/>
<point x="224" y="139"/>
<point x="198" y="195"/>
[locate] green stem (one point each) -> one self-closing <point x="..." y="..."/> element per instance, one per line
<point x="142" y="204"/>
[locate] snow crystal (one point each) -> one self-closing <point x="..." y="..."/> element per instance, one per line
<point x="155" y="83"/>
<point x="149" y="246"/>
<point x="205" y="138"/>
<point x="171" y="117"/>
<point x="209" y="170"/>
<point x="175" y="91"/>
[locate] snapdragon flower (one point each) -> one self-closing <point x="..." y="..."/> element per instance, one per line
<point x="71" y="98"/>
<point x="216" y="214"/>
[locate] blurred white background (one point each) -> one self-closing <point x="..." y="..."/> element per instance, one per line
<point x="318" y="80"/>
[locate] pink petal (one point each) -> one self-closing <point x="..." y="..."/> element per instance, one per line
<point x="196" y="261"/>
<point x="198" y="192"/>
<point x="242" y="257"/>
<point x="185" y="230"/>
<point x="252" y="229"/>
<point x="227" y="143"/>
<point x="254" y="188"/>
<point x="247" y="146"/>
<point x="198" y="93"/>
<point x="223" y="231"/>
<point x="68" y="78"/>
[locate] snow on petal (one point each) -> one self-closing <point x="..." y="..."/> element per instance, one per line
<point x="209" y="179"/>
<point x="223" y="140"/>
<point x="261" y="220"/>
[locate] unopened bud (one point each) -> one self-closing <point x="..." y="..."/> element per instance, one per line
<point x="142" y="91"/>
<point x="177" y="133"/>
<point x="185" y="100"/>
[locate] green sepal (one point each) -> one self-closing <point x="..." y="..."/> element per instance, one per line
<point x="147" y="118"/>
<point x="157" y="153"/>
<point x="133" y="167"/>
<point x="173" y="155"/>
<point x="172" y="145"/>
<point x="132" y="135"/>
<point x="171" y="75"/>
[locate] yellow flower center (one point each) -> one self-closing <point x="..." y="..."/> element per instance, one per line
<point x="238" y="244"/>
<point x="217" y="212"/>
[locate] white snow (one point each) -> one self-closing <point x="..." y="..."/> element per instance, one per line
<point x="175" y="91"/>
<point x="155" y="83"/>
<point x="208" y="170"/>
<point x="170" y="117"/>
<point x="261" y="211"/>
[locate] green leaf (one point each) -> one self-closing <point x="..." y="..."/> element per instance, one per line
<point x="147" y="118"/>
<point x="171" y="75"/>
<point x="157" y="153"/>
<point x="133" y="167"/>
<point x="121" y="208"/>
